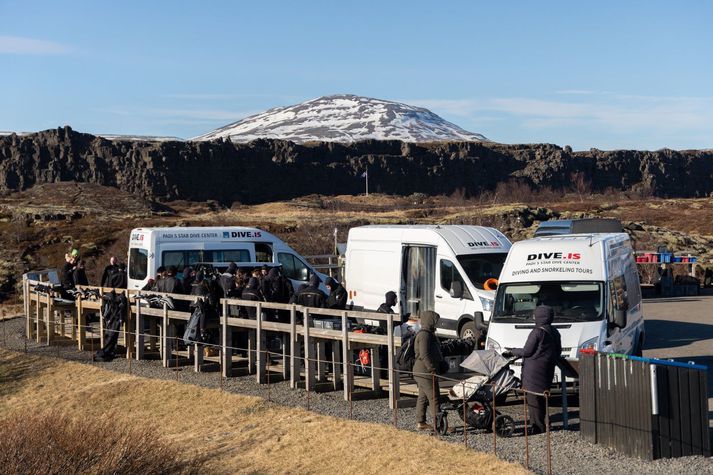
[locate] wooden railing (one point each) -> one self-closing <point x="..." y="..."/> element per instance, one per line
<point x="310" y="355"/>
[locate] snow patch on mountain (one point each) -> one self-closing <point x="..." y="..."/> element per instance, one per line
<point x="344" y="118"/>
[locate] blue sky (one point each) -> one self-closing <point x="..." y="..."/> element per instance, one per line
<point x="608" y="74"/>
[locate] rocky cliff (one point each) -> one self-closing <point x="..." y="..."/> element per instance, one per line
<point x="266" y="170"/>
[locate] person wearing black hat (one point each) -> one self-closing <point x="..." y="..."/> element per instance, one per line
<point x="541" y="353"/>
<point x="253" y="293"/>
<point x="337" y="298"/>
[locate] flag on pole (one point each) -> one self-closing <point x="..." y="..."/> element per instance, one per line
<point x="365" y="175"/>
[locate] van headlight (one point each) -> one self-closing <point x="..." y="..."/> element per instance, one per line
<point x="487" y="304"/>
<point x="491" y="344"/>
<point x="590" y="344"/>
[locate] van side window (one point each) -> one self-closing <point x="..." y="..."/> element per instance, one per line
<point x="618" y="297"/>
<point x="293" y="267"/>
<point x="263" y="252"/>
<point x="449" y="274"/>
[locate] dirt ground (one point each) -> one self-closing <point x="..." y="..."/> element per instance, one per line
<point x="234" y="433"/>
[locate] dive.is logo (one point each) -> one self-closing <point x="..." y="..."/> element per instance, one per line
<point x="241" y="234"/>
<point x="484" y="244"/>
<point x="569" y="256"/>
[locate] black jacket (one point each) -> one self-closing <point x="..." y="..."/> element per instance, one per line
<point x="541" y="352"/>
<point x="170" y="285"/>
<point x="390" y="301"/>
<point x="253" y="293"/>
<point x="337" y="298"/>
<point x="311" y="296"/>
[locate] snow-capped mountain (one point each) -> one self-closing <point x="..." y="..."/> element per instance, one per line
<point x="344" y="118"/>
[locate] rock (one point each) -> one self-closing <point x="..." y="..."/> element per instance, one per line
<point x="269" y="170"/>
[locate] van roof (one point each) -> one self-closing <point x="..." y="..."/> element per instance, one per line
<point x="593" y="237"/>
<point x="463" y="239"/>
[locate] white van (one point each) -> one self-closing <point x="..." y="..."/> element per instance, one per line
<point x="430" y="267"/>
<point x="151" y="248"/>
<point x="590" y="280"/>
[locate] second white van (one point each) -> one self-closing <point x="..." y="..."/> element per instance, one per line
<point x="452" y="269"/>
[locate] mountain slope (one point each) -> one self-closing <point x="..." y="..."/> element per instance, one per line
<point x="344" y="118"/>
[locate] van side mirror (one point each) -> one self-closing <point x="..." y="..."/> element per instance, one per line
<point x="480" y="321"/>
<point x="619" y="318"/>
<point x="456" y="289"/>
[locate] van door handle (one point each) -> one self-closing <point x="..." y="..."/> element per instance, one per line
<point x="439" y="296"/>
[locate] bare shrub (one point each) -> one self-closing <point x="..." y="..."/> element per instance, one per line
<point x="581" y="184"/>
<point x="51" y="443"/>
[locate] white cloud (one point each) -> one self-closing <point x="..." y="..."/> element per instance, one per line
<point x="22" y="45"/>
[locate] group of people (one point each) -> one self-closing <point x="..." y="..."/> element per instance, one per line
<point x="73" y="272"/>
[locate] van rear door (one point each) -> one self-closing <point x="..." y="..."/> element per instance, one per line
<point x="418" y="278"/>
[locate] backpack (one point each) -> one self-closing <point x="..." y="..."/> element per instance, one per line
<point x="406" y="356"/>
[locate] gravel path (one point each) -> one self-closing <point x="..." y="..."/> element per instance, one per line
<point x="570" y="454"/>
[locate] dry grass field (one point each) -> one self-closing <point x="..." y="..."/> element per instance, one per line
<point x="228" y="433"/>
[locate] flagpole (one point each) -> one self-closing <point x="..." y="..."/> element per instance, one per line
<point x="367" y="182"/>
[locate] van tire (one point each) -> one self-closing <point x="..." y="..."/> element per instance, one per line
<point x="468" y="330"/>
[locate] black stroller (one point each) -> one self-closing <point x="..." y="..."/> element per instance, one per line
<point x="476" y="393"/>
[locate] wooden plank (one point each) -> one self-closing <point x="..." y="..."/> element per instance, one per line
<point x="49" y="324"/>
<point x="226" y="364"/>
<point x="309" y="352"/>
<point x="336" y="364"/>
<point x="165" y="339"/>
<point x="346" y="358"/>
<point x="294" y="349"/>
<point x="81" y="325"/>
<point x="37" y="319"/>
<point x="140" y="339"/>
<point x="260" y="346"/>
<point x="391" y="364"/>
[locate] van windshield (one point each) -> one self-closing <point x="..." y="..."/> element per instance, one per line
<point x="481" y="267"/>
<point x="571" y="301"/>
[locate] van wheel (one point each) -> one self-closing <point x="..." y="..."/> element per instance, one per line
<point x="468" y="330"/>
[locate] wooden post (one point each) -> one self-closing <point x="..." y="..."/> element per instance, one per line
<point x="393" y="390"/>
<point x="346" y="358"/>
<point x="26" y="306"/>
<point x="375" y="370"/>
<point x="309" y="353"/>
<point x="226" y="362"/>
<point x="294" y="349"/>
<point x="165" y="339"/>
<point x="37" y="318"/>
<point x="81" y="322"/>
<point x="260" y="346"/>
<point x="128" y="339"/>
<point x="49" y="326"/>
<point x="139" y="332"/>
<point x="198" y="352"/>
<point x="286" y="345"/>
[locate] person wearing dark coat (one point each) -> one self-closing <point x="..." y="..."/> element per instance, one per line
<point x="337" y="298"/>
<point x="541" y="353"/>
<point x="252" y="292"/>
<point x="109" y="270"/>
<point x="187" y="277"/>
<point x="429" y="361"/>
<point x="311" y="296"/>
<point x="389" y="302"/>
<point x="227" y="279"/>
<point x="170" y="284"/>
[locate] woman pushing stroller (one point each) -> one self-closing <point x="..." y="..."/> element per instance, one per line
<point x="540" y="356"/>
